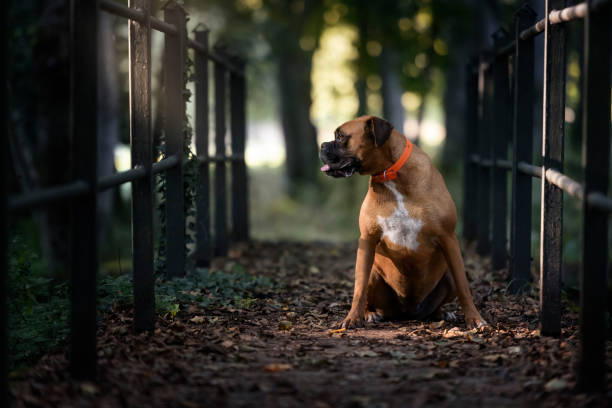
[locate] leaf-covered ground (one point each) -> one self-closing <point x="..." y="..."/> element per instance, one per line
<point x="279" y="351"/>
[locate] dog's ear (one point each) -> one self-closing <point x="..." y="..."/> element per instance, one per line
<point x="380" y="130"/>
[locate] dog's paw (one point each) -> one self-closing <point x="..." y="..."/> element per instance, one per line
<point x="373" y="317"/>
<point x="476" y="322"/>
<point x="441" y="315"/>
<point x="352" y="322"/>
<point x="449" y="317"/>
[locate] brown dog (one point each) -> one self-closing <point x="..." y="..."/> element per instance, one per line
<point x="408" y="262"/>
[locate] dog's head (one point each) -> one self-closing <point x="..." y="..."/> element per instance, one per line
<point x="355" y="147"/>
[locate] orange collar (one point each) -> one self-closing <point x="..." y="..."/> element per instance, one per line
<point x="391" y="172"/>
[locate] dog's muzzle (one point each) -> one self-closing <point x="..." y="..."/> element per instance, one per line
<point x="336" y="162"/>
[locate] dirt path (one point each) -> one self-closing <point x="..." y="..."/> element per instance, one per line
<point x="280" y="352"/>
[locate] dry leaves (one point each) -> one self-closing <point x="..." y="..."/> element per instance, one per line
<point x="277" y="367"/>
<point x="229" y="356"/>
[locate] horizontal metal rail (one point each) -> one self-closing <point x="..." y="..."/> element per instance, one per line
<point x="555" y="17"/>
<point x="220" y="158"/>
<point x="565" y="183"/>
<point x="507" y="49"/>
<point x="165" y="164"/>
<point x="560" y="16"/>
<point x="137" y="15"/>
<point x="45" y="195"/>
<point x="121" y="10"/>
<point x="503" y="164"/>
<point x="530" y="169"/>
<point x="119" y="178"/>
<point x="600" y="201"/>
<point x="523" y="167"/>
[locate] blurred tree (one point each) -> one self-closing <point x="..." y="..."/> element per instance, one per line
<point x="291" y="29"/>
<point x="401" y="42"/>
<point x="40" y="97"/>
<point x="51" y="139"/>
<point x="297" y="23"/>
<point x="471" y="33"/>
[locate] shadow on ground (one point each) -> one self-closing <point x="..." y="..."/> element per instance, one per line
<point x="279" y="351"/>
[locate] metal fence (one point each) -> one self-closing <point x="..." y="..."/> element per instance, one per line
<point x="81" y="193"/>
<point x="499" y="113"/>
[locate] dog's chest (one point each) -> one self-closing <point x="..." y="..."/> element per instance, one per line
<point x="399" y="227"/>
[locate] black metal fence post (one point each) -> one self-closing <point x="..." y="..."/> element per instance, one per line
<point x="142" y="155"/>
<point x="174" y="105"/>
<point x="596" y="157"/>
<point x="3" y="215"/>
<point x="483" y="246"/>
<point x="470" y="168"/>
<point x="239" y="174"/>
<point x="221" y="244"/>
<point x="84" y="231"/>
<point x="520" y="259"/>
<point x="203" y="247"/>
<point x="551" y="224"/>
<point x="501" y="101"/>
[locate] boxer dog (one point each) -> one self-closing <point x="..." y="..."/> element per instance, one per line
<point x="408" y="260"/>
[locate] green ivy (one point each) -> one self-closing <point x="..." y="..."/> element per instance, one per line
<point x="39" y="308"/>
<point x="190" y="179"/>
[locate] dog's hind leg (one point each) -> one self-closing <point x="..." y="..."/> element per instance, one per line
<point x="444" y="292"/>
<point x="382" y="300"/>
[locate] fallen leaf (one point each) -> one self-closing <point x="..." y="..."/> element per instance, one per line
<point x="227" y="343"/>
<point x="556" y="384"/>
<point x="453" y="332"/>
<point x="436" y="325"/>
<point x="284" y="325"/>
<point x="89" y="388"/>
<point x="197" y="319"/>
<point x="367" y="353"/>
<point x="277" y="367"/>
<point x="495" y="357"/>
<point x="515" y="350"/>
<point x="342" y="330"/>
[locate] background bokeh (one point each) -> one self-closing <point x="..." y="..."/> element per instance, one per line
<point x="311" y="65"/>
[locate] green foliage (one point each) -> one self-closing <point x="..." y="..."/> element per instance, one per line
<point x="200" y="286"/>
<point x="39" y="308"/>
<point x="212" y="289"/>
<point x="190" y="178"/>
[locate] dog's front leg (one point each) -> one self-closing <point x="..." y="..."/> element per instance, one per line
<point x="452" y="253"/>
<point x="363" y="267"/>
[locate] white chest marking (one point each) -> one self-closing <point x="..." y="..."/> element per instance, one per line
<point x="399" y="227"/>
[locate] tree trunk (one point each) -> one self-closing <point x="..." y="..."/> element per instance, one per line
<point x="108" y="115"/>
<point x="52" y="74"/>
<point x="486" y="22"/>
<point x="300" y="134"/>
<point x="393" y="110"/>
<point x="360" y="83"/>
<point x="454" y="101"/>
<point x="294" y="69"/>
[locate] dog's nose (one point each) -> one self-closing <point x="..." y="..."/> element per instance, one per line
<point x="325" y="146"/>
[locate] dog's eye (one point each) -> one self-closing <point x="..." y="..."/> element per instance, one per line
<point x="339" y="137"/>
